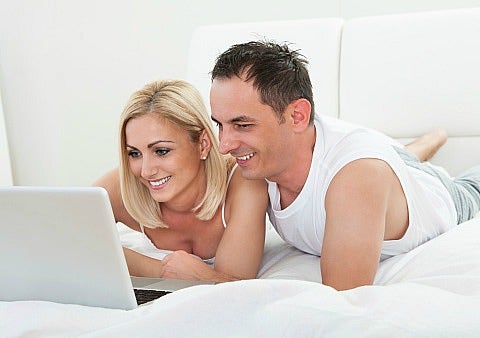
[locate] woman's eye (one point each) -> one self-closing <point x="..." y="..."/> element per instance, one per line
<point x="133" y="153"/>
<point x="162" y="151"/>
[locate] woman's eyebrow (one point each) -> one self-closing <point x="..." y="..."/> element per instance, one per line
<point x="151" y="144"/>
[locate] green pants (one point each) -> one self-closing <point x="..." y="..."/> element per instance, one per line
<point x="464" y="189"/>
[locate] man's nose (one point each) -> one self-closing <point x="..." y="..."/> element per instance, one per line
<point x="226" y="142"/>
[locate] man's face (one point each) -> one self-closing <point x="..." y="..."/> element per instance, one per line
<point x="249" y="130"/>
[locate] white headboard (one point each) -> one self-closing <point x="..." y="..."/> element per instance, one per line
<point x="409" y="73"/>
<point x="323" y="55"/>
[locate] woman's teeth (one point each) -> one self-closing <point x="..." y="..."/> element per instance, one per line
<point x="159" y="182"/>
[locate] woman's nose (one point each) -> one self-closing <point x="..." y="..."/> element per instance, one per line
<point x="148" y="168"/>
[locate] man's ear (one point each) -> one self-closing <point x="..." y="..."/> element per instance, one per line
<point x="300" y="114"/>
<point x="205" y="145"/>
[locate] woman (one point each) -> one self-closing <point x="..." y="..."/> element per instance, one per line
<point x="175" y="187"/>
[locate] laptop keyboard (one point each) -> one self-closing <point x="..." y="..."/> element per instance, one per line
<point x="146" y="295"/>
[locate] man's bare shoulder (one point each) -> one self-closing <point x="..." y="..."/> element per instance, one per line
<point x="361" y="177"/>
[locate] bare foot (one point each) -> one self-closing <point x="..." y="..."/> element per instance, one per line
<point x="428" y="144"/>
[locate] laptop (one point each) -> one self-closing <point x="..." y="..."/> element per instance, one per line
<point x="61" y="244"/>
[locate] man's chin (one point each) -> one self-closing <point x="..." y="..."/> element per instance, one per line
<point x="250" y="174"/>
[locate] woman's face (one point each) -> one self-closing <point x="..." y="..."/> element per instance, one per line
<point x="162" y="156"/>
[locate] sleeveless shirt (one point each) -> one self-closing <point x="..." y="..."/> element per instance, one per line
<point x="302" y="224"/>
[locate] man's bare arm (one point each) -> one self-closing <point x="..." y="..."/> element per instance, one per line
<point x="356" y="207"/>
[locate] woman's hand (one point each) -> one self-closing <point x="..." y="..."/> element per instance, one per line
<point x="177" y="265"/>
<point x="182" y="265"/>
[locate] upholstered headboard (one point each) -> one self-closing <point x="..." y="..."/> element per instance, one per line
<point x="401" y="74"/>
<point x="406" y="74"/>
<point x="317" y="39"/>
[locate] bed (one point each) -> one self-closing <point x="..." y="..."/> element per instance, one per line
<point x="432" y="291"/>
<point x="420" y="67"/>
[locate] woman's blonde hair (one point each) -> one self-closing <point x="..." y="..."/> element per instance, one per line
<point x="180" y="103"/>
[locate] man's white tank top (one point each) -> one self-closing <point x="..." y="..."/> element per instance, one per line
<point x="302" y="223"/>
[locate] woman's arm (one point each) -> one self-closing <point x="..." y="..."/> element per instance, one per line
<point x="143" y="266"/>
<point x="240" y="250"/>
<point x="177" y="265"/>
<point x="182" y="265"/>
<point x="111" y="182"/>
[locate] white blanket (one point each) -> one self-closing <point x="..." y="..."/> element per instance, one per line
<point x="433" y="291"/>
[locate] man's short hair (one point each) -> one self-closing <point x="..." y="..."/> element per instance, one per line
<point x="278" y="73"/>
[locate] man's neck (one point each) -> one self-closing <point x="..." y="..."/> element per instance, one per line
<point x="291" y="181"/>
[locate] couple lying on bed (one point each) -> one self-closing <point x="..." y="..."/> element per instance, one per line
<point x="347" y="194"/>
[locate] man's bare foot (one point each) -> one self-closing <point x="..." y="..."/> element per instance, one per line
<point x="425" y="146"/>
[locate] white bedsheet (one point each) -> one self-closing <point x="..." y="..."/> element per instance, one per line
<point x="433" y="291"/>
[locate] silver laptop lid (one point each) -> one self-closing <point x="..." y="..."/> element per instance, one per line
<point x="61" y="244"/>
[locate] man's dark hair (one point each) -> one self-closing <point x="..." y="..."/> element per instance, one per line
<point x="279" y="74"/>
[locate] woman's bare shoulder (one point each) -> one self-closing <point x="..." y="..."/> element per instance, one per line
<point x="246" y="188"/>
<point x="111" y="182"/>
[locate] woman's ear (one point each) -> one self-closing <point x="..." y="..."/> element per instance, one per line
<point x="300" y="113"/>
<point x="205" y="145"/>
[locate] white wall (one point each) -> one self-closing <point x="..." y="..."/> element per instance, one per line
<point x="68" y="67"/>
<point x="5" y="167"/>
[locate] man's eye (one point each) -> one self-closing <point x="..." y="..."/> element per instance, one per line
<point x="244" y="125"/>
<point x="133" y="153"/>
<point x="162" y="151"/>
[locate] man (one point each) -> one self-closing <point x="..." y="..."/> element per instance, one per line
<point x="347" y="194"/>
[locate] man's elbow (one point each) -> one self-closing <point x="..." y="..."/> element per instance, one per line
<point x="341" y="284"/>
